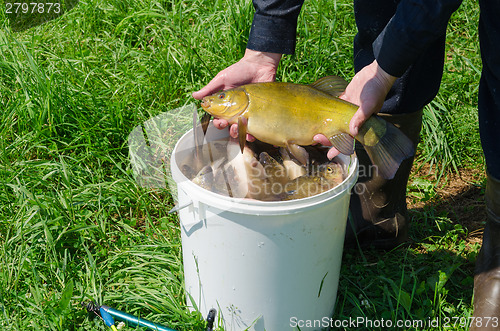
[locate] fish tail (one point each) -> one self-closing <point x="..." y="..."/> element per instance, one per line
<point x="390" y="150"/>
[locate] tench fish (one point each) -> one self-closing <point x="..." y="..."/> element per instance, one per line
<point x="331" y="171"/>
<point x="289" y="115"/>
<point x="205" y="178"/>
<point x="321" y="179"/>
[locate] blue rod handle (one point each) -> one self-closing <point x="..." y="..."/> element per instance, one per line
<point x="107" y="318"/>
<point x="134" y="321"/>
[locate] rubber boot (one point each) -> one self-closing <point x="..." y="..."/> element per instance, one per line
<point x="487" y="274"/>
<point x="377" y="213"/>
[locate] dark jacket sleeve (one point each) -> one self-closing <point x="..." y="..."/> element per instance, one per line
<point x="415" y="25"/>
<point x="274" y="26"/>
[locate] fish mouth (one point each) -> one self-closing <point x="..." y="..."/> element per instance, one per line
<point x="205" y="104"/>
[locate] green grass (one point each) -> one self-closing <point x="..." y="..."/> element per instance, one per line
<point x="74" y="226"/>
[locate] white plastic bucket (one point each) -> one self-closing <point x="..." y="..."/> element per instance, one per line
<point x="263" y="265"/>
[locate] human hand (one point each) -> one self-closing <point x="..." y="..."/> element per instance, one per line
<point x="254" y="67"/>
<point x="368" y="90"/>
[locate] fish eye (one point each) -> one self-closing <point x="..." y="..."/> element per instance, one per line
<point x="222" y="95"/>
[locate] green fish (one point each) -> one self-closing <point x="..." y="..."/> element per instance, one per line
<point x="289" y="115"/>
<point x="319" y="180"/>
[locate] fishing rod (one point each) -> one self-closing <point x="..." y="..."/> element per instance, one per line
<point x="108" y="315"/>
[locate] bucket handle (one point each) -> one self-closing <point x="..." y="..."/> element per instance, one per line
<point x="201" y="209"/>
<point x="177" y="207"/>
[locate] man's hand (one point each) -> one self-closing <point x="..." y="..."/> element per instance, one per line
<point x="368" y="90"/>
<point x="254" y="67"/>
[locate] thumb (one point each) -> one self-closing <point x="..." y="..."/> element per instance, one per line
<point x="200" y="94"/>
<point x="358" y="119"/>
<point x="218" y="83"/>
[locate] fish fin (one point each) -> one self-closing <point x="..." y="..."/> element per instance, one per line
<point x="332" y="85"/>
<point x="292" y="168"/>
<point x="205" y="121"/>
<point x="344" y="142"/>
<point x="392" y="148"/>
<point x="242" y="131"/>
<point x="284" y="154"/>
<point x="298" y="152"/>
